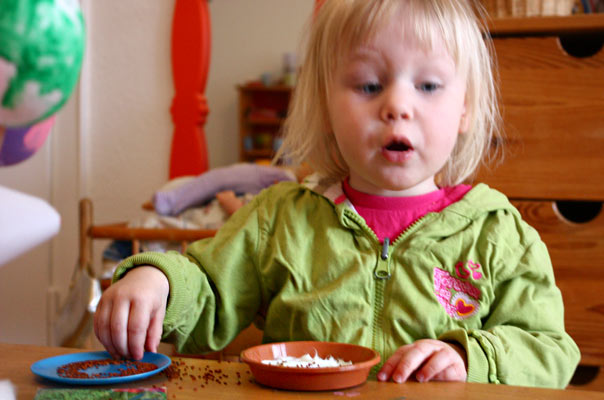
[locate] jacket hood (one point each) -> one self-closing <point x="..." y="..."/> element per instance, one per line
<point x="480" y="200"/>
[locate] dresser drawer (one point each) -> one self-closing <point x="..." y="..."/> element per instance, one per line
<point x="553" y="111"/>
<point x="577" y="251"/>
<point x="584" y="317"/>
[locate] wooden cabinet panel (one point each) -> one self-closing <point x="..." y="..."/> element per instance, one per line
<point x="553" y="110"/>
<point x="577" y="249"/>
<point x="584" y="316"/>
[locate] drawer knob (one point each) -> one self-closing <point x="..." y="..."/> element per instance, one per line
<point x="582" y="46"/>
<point x="578" y="211"/>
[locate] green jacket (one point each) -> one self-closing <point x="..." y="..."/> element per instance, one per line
<point x="474" y="274"/>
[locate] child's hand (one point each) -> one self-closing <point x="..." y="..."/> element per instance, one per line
<point x="428" y="359"/>
<point x="130" y="314"/>
<point x="229" y="201"/>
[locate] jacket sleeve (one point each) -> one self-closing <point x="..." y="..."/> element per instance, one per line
<point x="215" y="291"/>
<point x="522" y="341"/>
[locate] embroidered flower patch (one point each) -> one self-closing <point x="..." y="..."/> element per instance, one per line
<point x="458" y="297"/>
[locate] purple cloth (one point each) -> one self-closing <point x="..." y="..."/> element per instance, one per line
<point x="240" y="178"/>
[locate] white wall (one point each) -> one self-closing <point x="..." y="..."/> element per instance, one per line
<point x="23" y="281"/>
<point x="131" y="88"/>
<point x="111" y="143"/>
<point x="249" y="38"/>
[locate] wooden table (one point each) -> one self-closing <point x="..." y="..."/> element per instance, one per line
<point x="237" y="382"/>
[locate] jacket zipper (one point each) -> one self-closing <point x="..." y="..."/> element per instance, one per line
<point x="382" y="274"/>
<point x="382" y="269"/>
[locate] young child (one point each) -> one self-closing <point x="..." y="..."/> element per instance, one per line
<point x="395" y="107"/>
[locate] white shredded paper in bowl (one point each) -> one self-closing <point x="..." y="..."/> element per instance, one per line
<point x="307" y="361"/>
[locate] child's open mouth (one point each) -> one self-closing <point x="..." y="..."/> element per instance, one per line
<point x="398" y="146"/>
<point x="397" y="151"/>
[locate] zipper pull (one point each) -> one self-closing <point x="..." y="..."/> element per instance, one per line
<point x="382" y="270"/>
<point x="385" y="249"/>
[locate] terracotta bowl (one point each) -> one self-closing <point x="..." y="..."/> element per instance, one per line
<point x="291" y="378"/>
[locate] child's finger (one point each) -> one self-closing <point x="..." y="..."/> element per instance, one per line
<point x="102" y="323"/>
<point x="138" y="324"/>
<point x="386" y="371"/>
<point x="438" y="362"/>
<point x="155" y="330"/>
<point x="412" y="358"/>
<point x="453" y="372"/>
<point x="119" y="327"/>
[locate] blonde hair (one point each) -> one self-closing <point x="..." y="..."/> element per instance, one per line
<point x="342" y="25"/>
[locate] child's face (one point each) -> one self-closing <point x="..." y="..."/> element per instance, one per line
<point x="396" y="110"/>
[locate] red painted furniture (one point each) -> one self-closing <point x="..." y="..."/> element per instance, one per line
<point x="191" y="40"/>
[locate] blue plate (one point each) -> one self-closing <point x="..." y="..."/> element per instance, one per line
<point x="47" y="368"/>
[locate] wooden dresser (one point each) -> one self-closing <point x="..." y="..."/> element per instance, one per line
<point x="262" y="111"/>
<point x="552" y="93"/>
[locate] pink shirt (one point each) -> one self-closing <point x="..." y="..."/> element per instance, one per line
<point x="388" y="217"/>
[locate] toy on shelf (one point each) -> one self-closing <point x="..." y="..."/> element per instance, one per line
<point x="528" y="8"/>
<point x="262" y="111"/>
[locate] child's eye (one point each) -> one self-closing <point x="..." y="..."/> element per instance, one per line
<point x="370" y="88"/>
<point x="429" y="87"/>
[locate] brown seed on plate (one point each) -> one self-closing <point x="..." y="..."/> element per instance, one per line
<point x="77" y="369"/>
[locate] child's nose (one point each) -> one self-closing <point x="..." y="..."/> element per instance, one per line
<point x="396" y="105"/>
